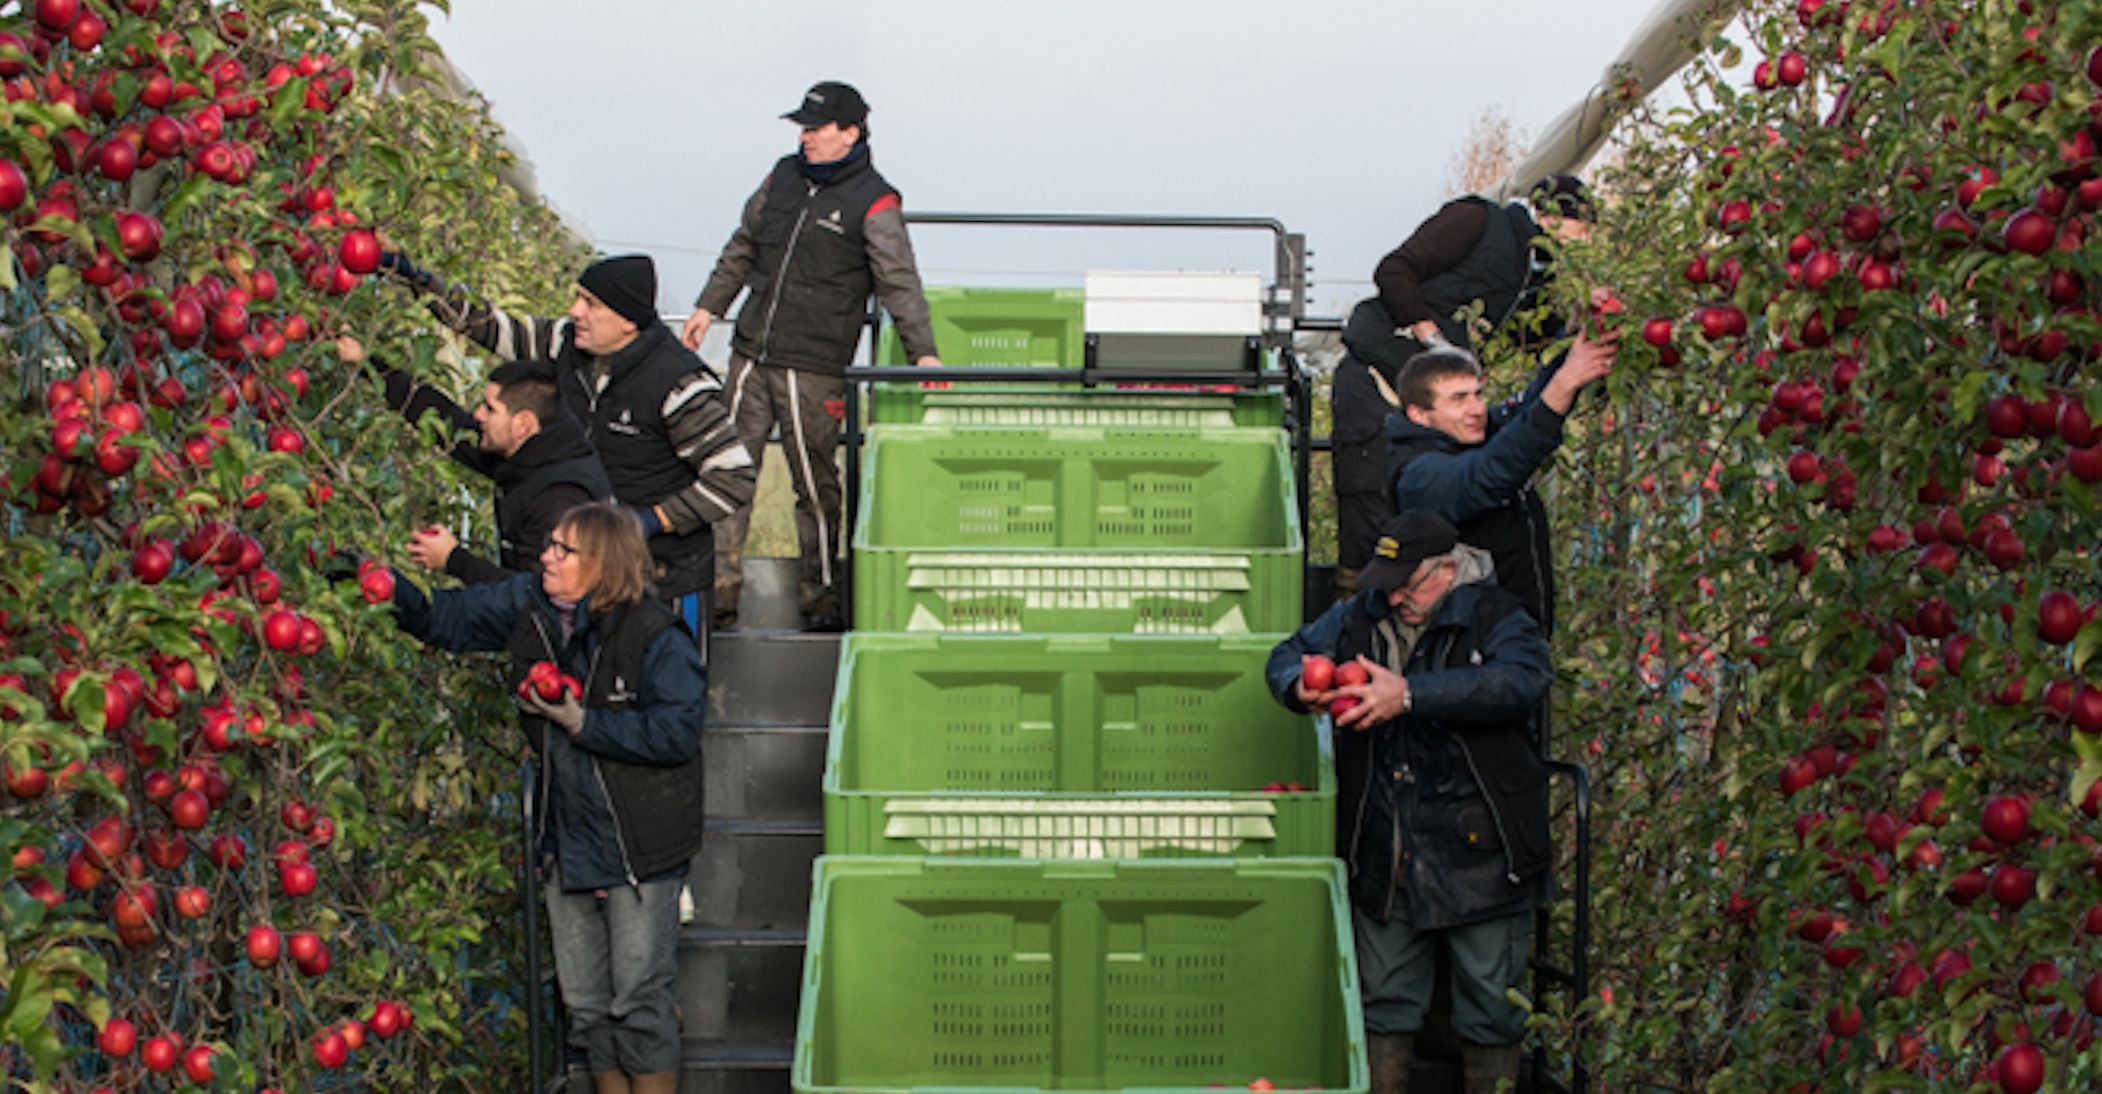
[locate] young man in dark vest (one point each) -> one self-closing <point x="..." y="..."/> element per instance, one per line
<point x="526" y="442"/>
<point x="820" y="234"/>
<point x="1442" y="805"/>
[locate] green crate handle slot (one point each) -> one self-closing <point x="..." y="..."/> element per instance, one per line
<point x="1073" y="828"/>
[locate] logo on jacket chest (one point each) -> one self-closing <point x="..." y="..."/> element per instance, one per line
<point x="833" y="222"/>
<point x="625" y="424"/>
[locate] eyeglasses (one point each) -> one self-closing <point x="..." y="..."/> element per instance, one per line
<point x="561" y="550"/>
<point x="1418" y="581"/>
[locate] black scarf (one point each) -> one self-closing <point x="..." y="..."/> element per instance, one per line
<point x="822" y="173"/>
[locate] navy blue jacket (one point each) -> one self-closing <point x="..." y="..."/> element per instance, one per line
<point x="1486" y="490"/>
<point x="661" y="728"/>
<point x="1452" y="796"/>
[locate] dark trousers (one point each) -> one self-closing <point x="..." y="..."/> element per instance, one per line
<point x="808" y="408"/>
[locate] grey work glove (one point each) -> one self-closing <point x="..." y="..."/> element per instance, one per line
<point x="569" y="713"/>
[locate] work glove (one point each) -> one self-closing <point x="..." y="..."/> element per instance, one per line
<point x="568" y="713"/>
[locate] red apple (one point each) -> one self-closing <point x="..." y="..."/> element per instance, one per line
<point x="14" y="185"/>
<point x="2058" y="617"/>
<point x="197" y="1064"/>
<point x="2030" y="232"/>
<point x="160" y="1053"/>
<point x="2005" y="819"/>
<point x="2021" y="1069"/>
<point x="118" y="1038"/>
<point x="264" y="945"/>
<point x="190" y="809"/>
<point x="2013" y="886"/>
<point x="329" y="1050"/>
<point x="386" y="1019"/>
<point x="360" y="251"/>
<point x="297" y="878"/>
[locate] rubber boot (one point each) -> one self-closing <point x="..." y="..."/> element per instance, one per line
<point x="1388" y="1056"/>
<point x="666" y="1082"/>
<point x="1490" y="1067"/>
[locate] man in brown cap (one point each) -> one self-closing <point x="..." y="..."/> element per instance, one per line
<point x="1442" y="810"/>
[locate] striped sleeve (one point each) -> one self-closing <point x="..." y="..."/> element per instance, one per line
<point x="508" y="337"/>
<point x="697" y="422"/>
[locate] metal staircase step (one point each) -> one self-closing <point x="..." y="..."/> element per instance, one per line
<point x="741" y="994"/>
<point x="758" y="678"/>
<point x="765" y="772"/>
<point x="755" y="875"/>
<point x="710" y="1068"/>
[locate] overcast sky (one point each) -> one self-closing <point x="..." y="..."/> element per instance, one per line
<point x="650" y="122"/>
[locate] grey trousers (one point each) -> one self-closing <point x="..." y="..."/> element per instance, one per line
<point x="617" y="963"/>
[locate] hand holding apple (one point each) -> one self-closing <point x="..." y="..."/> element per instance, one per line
<point x="1317" y="674"/>
<point x="1589" y="360"/>
<point x="1377" y="693"/>
<point x="349" y="350"/>
<point x="432" y="546"/>
<point x="567" y="712"/>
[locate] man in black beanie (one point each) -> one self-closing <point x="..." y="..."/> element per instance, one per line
<point x="655" y="413"/>
<point x="822" y="233"/>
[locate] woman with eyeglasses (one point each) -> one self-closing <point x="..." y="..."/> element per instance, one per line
<point x="620" y="767"/>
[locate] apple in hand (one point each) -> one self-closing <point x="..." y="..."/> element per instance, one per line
<point x="1317" y="673"/>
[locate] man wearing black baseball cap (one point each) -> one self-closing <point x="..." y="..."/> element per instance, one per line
<point x="1442" y="807"/>
<point x="820" y="235"/>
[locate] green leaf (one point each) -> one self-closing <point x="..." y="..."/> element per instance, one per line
<point x="78" y="321"/>
<point x="60" y="281"/>
<point x="2085" y="643"/>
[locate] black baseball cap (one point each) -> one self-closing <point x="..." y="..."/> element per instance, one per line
<point x="1405" y="541"/>
<point x="830" y="101"/>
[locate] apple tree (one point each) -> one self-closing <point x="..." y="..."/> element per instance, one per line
<point x="257" y="839"/>
<point x="1831" y="546"/>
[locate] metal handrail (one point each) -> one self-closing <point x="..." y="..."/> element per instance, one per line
<point x="1577" y="977"/>
<point x="1288" y="255"/>
<point x="529" y="906"/>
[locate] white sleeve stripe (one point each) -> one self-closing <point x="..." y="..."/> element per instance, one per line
<point x="712" y="498"/>
<point x="686" y="393"/>
<point x="730" y="458"/>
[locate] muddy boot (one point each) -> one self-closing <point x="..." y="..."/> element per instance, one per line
<point x="1491" y="1067"/>
<point x="1388" y="1056"/>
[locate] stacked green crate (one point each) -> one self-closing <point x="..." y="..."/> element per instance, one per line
<point x="1071" y="841"/>
<point x="976" y="975"/>
<point x="1040" y="328"/>
<point x="1007" y="328"/>
<point x="1069" y="746"/>
<point x="1085" y="529"/>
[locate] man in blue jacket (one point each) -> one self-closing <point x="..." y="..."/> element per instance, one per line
<point x="1453" y="455"/>
<point x="1443" y="808"/>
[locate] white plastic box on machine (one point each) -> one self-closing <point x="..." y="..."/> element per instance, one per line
<point x="1181" y="322"/>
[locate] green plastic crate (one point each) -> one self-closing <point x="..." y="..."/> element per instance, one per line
<point x="1042" y="405"/>
<point x="1082" y="746"/>
<point x="1077" y="530"/>
<point x="973" y="975"/>
<point x="1011" y="328"/>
